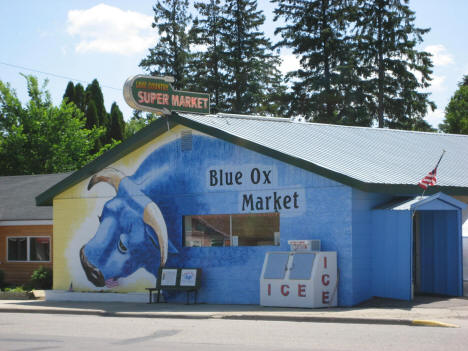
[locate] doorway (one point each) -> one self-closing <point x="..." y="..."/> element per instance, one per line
<point x="436" y="253"/>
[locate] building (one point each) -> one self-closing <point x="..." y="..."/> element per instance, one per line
<point x="25" y="229"/>
<point x="218" y="192"/>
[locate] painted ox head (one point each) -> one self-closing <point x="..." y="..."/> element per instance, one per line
<point x="132" y="234"/>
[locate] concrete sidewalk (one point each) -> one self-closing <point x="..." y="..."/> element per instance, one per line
<point x="429" y="311"/>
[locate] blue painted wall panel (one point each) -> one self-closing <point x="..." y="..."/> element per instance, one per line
<point x="362" y="206"/>
<point x="440" y="252"/>
<point x="391" y="254"/>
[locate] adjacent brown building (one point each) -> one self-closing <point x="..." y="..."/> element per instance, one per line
<point x="25" y="229"/>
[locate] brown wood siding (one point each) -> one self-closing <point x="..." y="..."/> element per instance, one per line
<point x="20" y="272"/>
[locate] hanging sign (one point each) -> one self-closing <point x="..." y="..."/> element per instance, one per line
<point x="155" y="94"/>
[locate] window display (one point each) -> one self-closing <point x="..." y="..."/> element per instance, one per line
<point x="232" y="230"/>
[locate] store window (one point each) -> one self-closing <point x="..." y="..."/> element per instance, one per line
<point x="232" y="230"/>
<point x="25" y="249"/>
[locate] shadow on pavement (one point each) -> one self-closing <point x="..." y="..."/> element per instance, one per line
<point x="420" y="301"/>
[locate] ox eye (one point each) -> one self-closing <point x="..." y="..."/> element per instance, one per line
<point x="122" y="247"/>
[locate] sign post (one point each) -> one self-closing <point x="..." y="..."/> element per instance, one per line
<point x="155" y="94"/>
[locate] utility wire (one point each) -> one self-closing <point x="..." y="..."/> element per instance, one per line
<point x="56" y="75"/>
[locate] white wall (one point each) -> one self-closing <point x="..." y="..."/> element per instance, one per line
<point x="465" y="236"/>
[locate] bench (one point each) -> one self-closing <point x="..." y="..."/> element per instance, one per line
<point x="180" y="279"/>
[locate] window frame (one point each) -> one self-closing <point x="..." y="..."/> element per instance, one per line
<point x="230" y="229"/>
<point x="28" y="248"/>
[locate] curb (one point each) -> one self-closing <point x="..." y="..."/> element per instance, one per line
<point x="428" y="323"/>
<point x="257" y="317"/>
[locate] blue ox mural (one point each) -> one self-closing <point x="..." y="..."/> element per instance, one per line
<point x="132" y="232"/>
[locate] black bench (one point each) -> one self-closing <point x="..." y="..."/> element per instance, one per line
<point x="181" y="279"/>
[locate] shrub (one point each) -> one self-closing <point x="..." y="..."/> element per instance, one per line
<point x="16" y="289"/>
<point x="42" y="278"/>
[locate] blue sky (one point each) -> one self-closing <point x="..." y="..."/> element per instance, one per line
<point x="106" y="40"/>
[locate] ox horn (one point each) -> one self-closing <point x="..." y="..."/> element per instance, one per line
<point x="109" y="175"/>
<point x="153" y="217"/>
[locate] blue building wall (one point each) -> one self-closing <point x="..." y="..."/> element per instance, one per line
<point x="392" y="254"/>
<point x="231" y="274"/>
<point x="362" y="247"/>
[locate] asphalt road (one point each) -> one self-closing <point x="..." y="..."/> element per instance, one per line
<point x="22" y="331"/>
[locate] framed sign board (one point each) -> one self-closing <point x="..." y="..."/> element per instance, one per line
<point x="179" y="279"/>
<point x="169" y="277"/>
<point x="188" y="277"/>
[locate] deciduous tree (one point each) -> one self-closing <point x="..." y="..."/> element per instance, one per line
<point x="456" y="112"/>
<point x="40" y="137"/>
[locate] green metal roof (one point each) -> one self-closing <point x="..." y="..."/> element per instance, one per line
<point x="370" y="159"/>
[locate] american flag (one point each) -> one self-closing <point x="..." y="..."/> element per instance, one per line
<point x="428" y="180"/>
<point x="431" y="178"/>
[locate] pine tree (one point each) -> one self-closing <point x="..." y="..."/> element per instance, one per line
<point x="386" y="40"/>
<point x="251" y="66"/>
<point x="69" y="92"/>
<point x="207" y="63"/>
<point x="91" y="115"/>
<point x="91" y="118"/>
<point x="116" y="129"/>
<point x="456" y="112"/>
<point x="76" y="94"/>
<point x="80" y="97"/>
<point x="94" y="93"/>
<point x="324" y="86"/>
<point x="171" y="53"/>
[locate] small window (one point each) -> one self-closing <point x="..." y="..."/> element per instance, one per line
<point x="17" y="249"/>
<point x="276" y="265"/>
<point x="302" y="266"/>
<point x="232" y="230"/>
<point x="39" y="249"/>
<point x="25" y="249"/>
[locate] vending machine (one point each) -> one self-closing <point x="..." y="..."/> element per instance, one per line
<point x="299" y="279"/>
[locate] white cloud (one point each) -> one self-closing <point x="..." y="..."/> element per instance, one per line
<point x="105" y="28"/>
<point x="437" y="84"/>
<point x="440" y="56"/>
<point x="289" y="63"/>
<point x="435" y="117"/>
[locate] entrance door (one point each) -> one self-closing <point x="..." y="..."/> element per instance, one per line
<point x="436" y="264"/>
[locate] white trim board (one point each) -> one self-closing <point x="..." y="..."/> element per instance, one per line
<point x="34" y="222"/>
